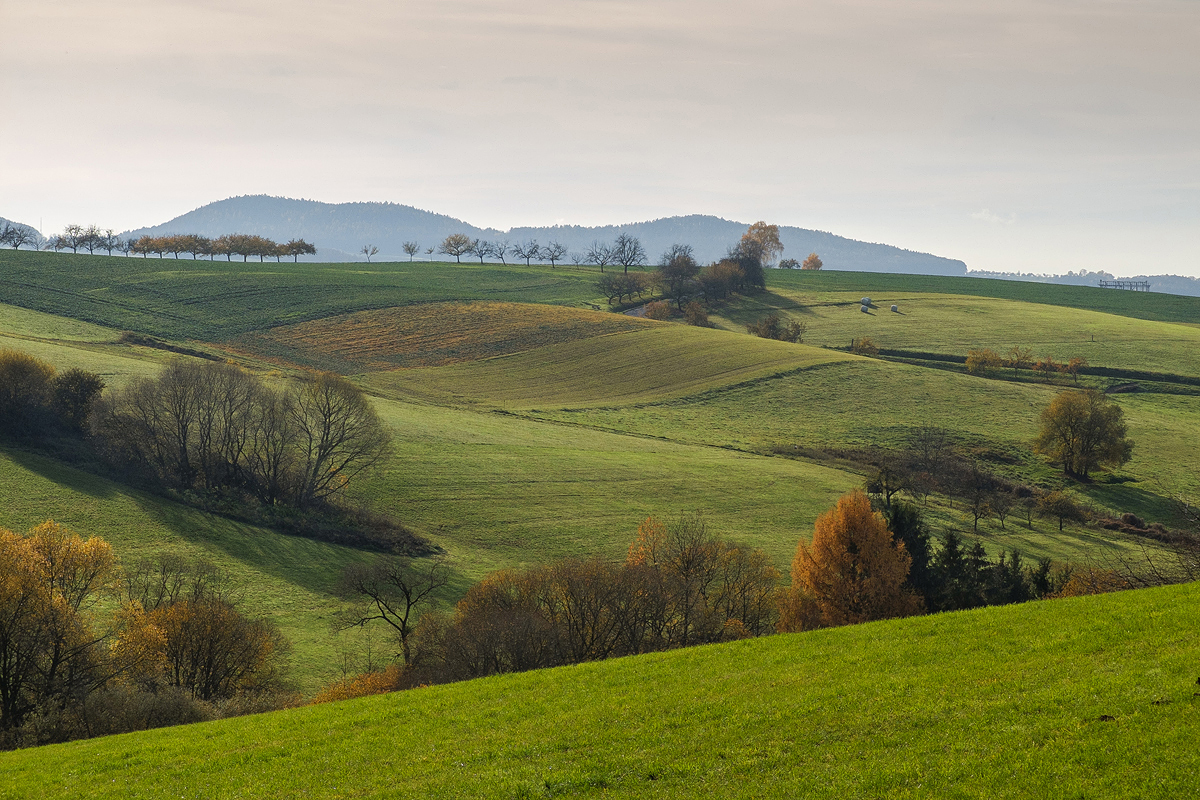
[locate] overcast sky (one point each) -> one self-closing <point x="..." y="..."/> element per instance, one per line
<point x="1015" y="135"/>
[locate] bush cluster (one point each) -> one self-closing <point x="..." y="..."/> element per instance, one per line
<point x="36" y="399"/>
<point x="214" y="427"/>
<point x="679" y="586"/>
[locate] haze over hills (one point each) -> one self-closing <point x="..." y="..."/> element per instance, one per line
<point x="346" y="227"/>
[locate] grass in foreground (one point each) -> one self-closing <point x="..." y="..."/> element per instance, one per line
<point x="1090" y="697"/>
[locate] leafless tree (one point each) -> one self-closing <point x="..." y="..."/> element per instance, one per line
<point x="338" y="433"/>
<point x="369" y="250"/>
<point x="600" y="254"/>
<point x="500" y="250"/>
<point x="553" y="252"/>
<point x="411" y="248"/>
<point x="528" y="251"/>
<point x="628" y="251"/>
<point x="391" y="590"/>
<point x="481" y="248"/>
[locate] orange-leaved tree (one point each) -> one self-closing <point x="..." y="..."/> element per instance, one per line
<point x="853" y="572"/>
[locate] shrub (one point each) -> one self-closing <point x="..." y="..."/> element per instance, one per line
<point x="659" y="309"/>
<point x="864" y="347"/>
<point x="695" y="314"/>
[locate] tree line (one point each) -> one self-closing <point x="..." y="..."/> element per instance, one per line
<point x="91" y="240"/>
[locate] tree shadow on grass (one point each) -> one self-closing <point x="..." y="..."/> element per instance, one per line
<point x="308" y="563"/>
<point x="76" y="480"/>
<point x="1127" y="497"/>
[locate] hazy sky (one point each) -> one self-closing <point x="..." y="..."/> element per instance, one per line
<point x="1036" y="136"/>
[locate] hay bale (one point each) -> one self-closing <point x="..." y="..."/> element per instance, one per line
<point x="895" y="309"/>
<point x="866" y="301"/>
<point x="865" y="309"/>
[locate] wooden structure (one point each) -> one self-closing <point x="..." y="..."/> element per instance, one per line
<point x="1133" y="286"/>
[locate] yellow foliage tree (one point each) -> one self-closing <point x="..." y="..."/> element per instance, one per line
<point x="853" y="572"/>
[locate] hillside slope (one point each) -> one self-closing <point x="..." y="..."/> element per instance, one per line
<point x="1091" y="697"/>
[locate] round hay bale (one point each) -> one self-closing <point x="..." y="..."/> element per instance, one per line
<point x="895" y="308"/>
<point x="866" y="301"/>
<point x="865" y="309"/>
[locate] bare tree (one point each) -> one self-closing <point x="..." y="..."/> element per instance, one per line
<point x="338" y="433"/>
<point x="500" y="250"/>
<point x="481" y="248"/>
<point x="411" y="248"/>
<point x="528" y="251"/>
<point x="628" y="252"/>
<point x="391" y="590"/>
<point x="553" y="252"/>
<point x="600" y="254"/>
<point x="369" y="250"/>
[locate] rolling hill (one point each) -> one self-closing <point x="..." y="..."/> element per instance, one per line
<point x="346" y="227"/>
<point x="530" y="427"/>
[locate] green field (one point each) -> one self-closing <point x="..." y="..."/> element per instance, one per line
<point x="525" y="433"/>
<point x="1090" y="698"/>
<point x="879" y="286"/>
<point x="216" y="300"/>
<point x="953" y="324"/>
<point x="648" y="365"/>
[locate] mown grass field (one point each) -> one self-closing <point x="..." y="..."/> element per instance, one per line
<point x="429" y="334"/>
<point x="658" y="361"/>
<point x="1090" y="698"/>
<point x="878" y="286"/>
<point x="954" y="324"/>
<point x="214" y="301"/>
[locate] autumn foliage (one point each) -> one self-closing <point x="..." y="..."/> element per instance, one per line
<point x="679" y="586"/>
<point x="79" y="657"/>
<point x="853" y="571"/>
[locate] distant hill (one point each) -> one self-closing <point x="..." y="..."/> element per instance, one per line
<point x="1165" y="284"/>
<point x="340" y="230"/>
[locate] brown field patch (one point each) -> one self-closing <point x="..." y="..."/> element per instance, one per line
<point x="428" y="335"/>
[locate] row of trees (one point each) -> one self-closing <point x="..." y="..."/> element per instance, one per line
<point x="679" y="586"/>
<point x="984" y="361"/>
<point x="87" y="648"/>
<point x="92" y="240"/>
<point x="234" y="244"/>
<point x="214" y="427"/>
<point x="626" y="251"/>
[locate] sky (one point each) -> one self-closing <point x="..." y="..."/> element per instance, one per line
<point x="1018" y="136"/>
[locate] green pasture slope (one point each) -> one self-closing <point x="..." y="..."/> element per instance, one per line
<point x="879" y="286"/>
<point x="1085" y="698"/>
<point x="214" y="301"/>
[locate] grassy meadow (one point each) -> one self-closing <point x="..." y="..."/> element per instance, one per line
<point x="1090" y="697"/>
<point x="529" y="427"/>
